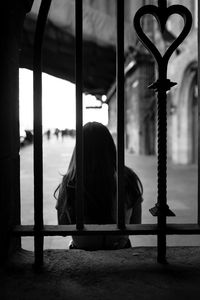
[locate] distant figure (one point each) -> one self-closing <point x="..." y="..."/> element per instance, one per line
<point x="29" y="136"/>
<point x="48" y="133"/>
<point x="63" y="133"/>
<point x="99" y="191"/>
<point x="56" y="133"/>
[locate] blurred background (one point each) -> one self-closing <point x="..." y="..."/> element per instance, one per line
<point x="99" y="104"/>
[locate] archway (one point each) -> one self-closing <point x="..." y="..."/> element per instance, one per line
<point x="188" y="116"/>
<point x="193" y="110"/>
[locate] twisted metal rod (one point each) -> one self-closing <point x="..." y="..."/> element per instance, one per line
<point x="161" y="86"/>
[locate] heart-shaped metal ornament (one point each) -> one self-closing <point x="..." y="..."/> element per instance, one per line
<point x="162" y="14"/>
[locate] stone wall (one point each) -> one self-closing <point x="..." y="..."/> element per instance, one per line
<point x="184" y="114"/>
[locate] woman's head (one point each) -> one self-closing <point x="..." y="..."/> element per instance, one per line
<point x="99" y="150"/>
<point x="99" y="165"/>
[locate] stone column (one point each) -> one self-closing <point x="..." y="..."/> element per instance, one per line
<point x="13" y="14"/>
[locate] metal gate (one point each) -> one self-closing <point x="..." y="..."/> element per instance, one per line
<point x="161" y="86"/>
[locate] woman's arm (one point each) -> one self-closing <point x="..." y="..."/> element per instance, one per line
<point x="63" y="217"/>
<point x="136" y="217"/>
<point x="134" y="190"/>
<point x="61" y="206"/>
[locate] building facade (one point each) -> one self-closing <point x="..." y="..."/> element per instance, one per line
<point x="183" y="113"/>
<point x="140" y="102"/>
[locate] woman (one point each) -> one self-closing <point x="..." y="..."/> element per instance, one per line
<point x="99" y="165"/>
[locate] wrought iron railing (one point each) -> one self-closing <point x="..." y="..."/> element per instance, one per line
<point x="161" y="210"/>
<point x="161" y="86"/>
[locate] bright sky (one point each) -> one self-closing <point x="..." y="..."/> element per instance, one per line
<point x="58" y="103"/>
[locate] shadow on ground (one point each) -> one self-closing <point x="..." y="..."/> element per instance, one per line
<point x="121" y="274"/>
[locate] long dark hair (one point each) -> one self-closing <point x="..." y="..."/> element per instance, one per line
<point x="99" y="164"/>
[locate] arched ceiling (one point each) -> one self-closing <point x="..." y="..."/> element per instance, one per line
<point x="99" y="39"/>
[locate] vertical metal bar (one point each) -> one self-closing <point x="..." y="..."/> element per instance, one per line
<point x="120" y="114"/>
<point x="162" y="173"/>
<point x="38" y="151"/>
<point x="162" y="3"/>
<point x="198" y="76"/>
<point x="79" y="117"/>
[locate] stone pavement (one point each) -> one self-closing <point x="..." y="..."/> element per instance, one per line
<point x="127" y="274"/>
<point x="182" y="191"/>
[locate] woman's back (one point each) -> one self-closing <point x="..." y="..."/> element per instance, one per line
<point x="99" y="189"/>
<point x="99" y="173"/>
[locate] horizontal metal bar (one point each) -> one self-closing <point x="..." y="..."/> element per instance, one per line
<point x="111" y="229"/>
